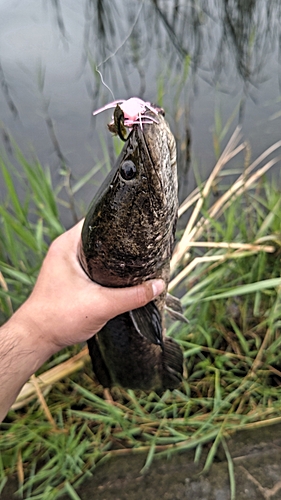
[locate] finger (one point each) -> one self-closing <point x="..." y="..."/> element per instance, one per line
<point x="68" y="240"/>
<point x="77" y="228"/>
<point x="126" y="299"/>
<point x="74" y="234"/>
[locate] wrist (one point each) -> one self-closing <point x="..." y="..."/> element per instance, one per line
<point x="29" y="336"/>
<point x="22" y="352"/>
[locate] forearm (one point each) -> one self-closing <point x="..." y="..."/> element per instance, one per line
<point x="22" y="352"/>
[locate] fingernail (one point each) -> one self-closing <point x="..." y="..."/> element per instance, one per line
<point x="158" y="286"/>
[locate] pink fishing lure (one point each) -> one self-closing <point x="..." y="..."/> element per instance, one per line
<point x="134" y="110"/>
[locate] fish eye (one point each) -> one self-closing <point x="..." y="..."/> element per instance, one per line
<point x="128" y="170"/>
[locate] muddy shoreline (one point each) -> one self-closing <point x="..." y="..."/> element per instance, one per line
<point x="256" y="456"/>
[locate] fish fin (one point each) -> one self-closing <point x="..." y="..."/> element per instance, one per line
<point x="147" y="322"/>
<point x="172" y="364"/>
<point x="99" y="366"/>
<point x="173" y="303"/>
<point x="174" y="308"/>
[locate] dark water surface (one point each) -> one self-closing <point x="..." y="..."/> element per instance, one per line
<point x="198" y="59"/>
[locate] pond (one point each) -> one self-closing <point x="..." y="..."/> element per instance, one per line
<point x="209" y="64"/>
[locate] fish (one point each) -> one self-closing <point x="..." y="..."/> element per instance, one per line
<point x="127" y="238"/>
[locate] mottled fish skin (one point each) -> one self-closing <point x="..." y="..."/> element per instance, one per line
<point x="127" y="238"/>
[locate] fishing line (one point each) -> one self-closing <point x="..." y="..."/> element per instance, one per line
<point x="118" y="48"/>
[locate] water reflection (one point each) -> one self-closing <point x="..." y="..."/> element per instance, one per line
<point x="250" y="35"/>
<point x="220" y="34"/>
<point x="179" y="54"/>
<point x="6" y="93"/>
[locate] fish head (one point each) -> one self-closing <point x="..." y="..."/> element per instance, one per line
<point x="145" y="175"/>
<point x="129" y="229"/>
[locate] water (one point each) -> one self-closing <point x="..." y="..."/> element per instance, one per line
<point x="203" y="61"/>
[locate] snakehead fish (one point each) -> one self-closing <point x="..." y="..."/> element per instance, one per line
<point x="127" y="238"/>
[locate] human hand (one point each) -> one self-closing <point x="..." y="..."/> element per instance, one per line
<point x="66" y="307"/>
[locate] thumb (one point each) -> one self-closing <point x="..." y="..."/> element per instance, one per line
<point x="121" y="300"/>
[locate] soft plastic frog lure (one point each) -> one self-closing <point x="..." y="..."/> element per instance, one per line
<point x="128" y="113"/>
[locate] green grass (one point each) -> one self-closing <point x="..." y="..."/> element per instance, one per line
<point x="231" y="344"/>
<point x="26" y="229"/>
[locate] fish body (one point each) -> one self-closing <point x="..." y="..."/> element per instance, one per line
<point x="127" y="238"/>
